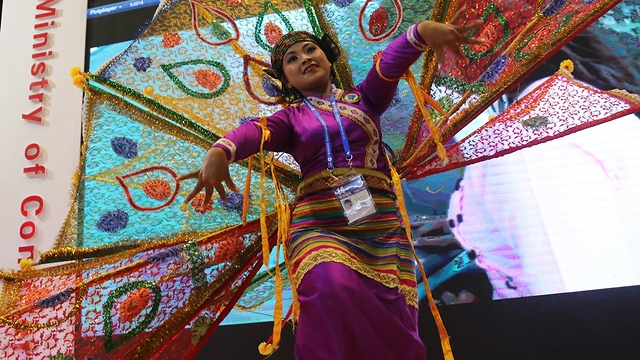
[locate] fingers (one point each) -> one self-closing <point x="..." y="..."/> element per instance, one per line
<point x="196" y="190"/>
<point x="191" y="175"/>
<point x="230" y="184"/>
<point x="463" y="29"/>
<point x="455" y="49"/>
<point x="439" y="56"/>
<point x="475" y="41"/>
<point x="458" y="15"/>
<point x="220" y="189"/>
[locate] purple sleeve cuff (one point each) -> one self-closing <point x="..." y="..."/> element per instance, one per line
<point x="228" y="146"/>
<point x="415" y="39"/>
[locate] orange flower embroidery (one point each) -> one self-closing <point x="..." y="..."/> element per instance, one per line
<point x="157" y="189"/>
<point x="133" y="305"/>
<point x="234" y="2"/>
<point x="272" y="33"/>
<point x="228" y="249"/>
<point x="208" y="79"/>
<point x="35" y="294"/>
<point x="491" y="33"/>
<point x="171" y="39"/>
<point x="198" y="202"/>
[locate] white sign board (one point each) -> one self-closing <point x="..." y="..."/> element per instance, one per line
<point x="40" y="121"/>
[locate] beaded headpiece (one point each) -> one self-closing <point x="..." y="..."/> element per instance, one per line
<point x="326" y="44"/>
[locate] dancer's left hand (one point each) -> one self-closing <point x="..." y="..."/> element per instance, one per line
<point x="448" y="35"/>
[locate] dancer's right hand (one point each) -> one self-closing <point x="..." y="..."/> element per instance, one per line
<point x="212" y="173"/>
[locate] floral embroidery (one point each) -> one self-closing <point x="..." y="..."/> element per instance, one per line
<point x="198" y="204"/>
<point x="492" y="33"/>
<point x="270" y="87"/>
<point x="227" y="249"/>
<point x="342" y="3"/>
<point x="272" y="33"/>
<point x="61" y="356"/>
<point x="113" y="221"/>
<point x="219" y="32"/>
<point x="553" y="7"/>
<point x="536" y="122"/>
<point x="208" y="79"/>
<point x="142" y="63"/>
<point x="55" y="299"/>
<point x="157" y="189"/>
<point x="171" y="39"/>
<point x="124" y="147"/>
<point x="378" y="22"/>
<point x="134" y="304"/>
<point x="199" y="328"/>
<point x="233" y="203"/>
<point x="494" y="70"/>
<point x="34" y="295"/>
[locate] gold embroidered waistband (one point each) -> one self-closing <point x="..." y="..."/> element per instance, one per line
<point x="323" y="180"/>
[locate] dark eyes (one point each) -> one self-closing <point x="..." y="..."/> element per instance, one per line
<point x="308" y="50"/>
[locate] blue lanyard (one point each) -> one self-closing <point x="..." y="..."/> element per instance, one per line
<point x="325" y="128"/>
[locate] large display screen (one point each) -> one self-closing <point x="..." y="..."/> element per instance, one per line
<point x="557" y="217"/>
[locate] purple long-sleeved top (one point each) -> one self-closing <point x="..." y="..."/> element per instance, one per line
<point x="296" y="130"/>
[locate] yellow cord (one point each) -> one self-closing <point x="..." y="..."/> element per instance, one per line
<point x="247" y="187"/>
<point x="421" y="97"/>
<point x="282" y="210"/>
<point x="442" y="331"/>
<point x="263" y="205"/>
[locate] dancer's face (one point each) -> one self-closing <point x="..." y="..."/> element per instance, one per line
<point x="307" y="68"/>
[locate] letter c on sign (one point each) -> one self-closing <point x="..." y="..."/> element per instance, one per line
<point x="32" y="198"/>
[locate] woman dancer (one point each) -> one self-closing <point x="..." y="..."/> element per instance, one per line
<point x="353" y="271"/>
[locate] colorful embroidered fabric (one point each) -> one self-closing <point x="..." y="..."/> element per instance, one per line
<point x="149" y="278"/>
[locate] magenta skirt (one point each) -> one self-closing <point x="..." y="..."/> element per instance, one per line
<point x="355" y="284"/>
<point x="347" y="316"/>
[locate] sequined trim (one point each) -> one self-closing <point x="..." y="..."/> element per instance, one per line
<point x="10" y="296"/>
<point x="331" y="255"/>
<point x="414" y="41"/>
<point x="229" y="145"/>
<point x="360" y="118"/>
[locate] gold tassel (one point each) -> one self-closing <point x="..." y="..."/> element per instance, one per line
<point x="567" y="65"/>
<point x="442" y="331"/>
<point x="247" y="187"/>
<point x="26" y="264"/>
<point x="283" y="231"/>
<point x="282" y="210"/>
<point x="78" y="78"/>
<point x="263" y="205"/>
<point x="421" y="97"/>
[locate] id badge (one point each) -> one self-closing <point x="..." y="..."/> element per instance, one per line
<point x="355" y="198"/>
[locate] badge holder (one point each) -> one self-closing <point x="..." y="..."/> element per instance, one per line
<point x="355" y="198"/>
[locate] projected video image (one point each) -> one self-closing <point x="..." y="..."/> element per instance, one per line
<point x="556" y="217"/>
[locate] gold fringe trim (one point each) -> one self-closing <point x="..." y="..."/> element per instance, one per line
<point x="635" y="98"/>
<point x="331" y="255"/>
